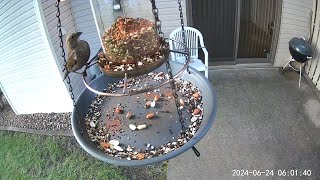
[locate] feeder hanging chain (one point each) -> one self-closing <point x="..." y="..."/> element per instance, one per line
<point x="63" y="55"/>
<point x="173" y="86"/>
<point x="174" y="91"/>
<point x="183" y="32"/>
<point x="186" y="56"/>
<point x="156" y="17"/>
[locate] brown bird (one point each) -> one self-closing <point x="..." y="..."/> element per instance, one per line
<point x="78" y="52"/>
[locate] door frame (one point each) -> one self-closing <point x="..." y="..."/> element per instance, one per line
<point x="274" y="41"/>
<point x="275" y="38"/>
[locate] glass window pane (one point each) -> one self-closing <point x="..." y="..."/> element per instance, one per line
<point x="256" y="28"/>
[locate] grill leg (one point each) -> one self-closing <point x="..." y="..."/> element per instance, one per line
<point x="300" y="75"/>
<point x="287" y="63"/>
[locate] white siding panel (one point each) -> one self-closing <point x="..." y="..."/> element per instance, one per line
<point x="25" y="19"/>
<point x="27" y="25"/>
<point x="68" y="23"/>
<point x="85" y="23"/>
<point x="295" y="20"/>
<point x="80" y="6"/>
<point x="26" y="48"/>
<point x="295" y="28"/>
<point x="305" y="7"/>
<point x="27" y="33"/>
<point x="84" y="19"/>
<point x="301" y="20"/>
<point x="169" y="15"/>
<point x="15" y="11"/>
<point x="28" y="74"/>
<point x="91" y="34"/>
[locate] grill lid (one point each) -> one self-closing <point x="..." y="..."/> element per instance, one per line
<point x="300" y="46"/>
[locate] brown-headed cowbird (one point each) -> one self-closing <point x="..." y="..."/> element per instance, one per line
<point x="78" y="52"/>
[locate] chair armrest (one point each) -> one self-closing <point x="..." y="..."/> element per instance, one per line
<point x="205" y="51"/>
<point x="206" y="56"/>
<point x="171" y="47"/>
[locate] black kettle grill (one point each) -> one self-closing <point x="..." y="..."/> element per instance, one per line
<point x="300" y="52"/>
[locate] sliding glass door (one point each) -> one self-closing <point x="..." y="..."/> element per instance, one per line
<point x="236" y="31"/>
<point x="256" y="30"/>
<point x="216" y="20"/>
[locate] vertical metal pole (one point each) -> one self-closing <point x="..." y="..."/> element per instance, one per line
<point x="287" y="63"/>
<point x="300" y="75"/>
<point x="97" y="24"/>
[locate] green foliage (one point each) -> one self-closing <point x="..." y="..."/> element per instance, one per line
<point x="25" y="156"/>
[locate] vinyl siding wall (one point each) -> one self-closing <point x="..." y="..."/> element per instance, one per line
<point x="29" y="76"/>
<point x="170" y="16"/>
<point x="295" y="21"/>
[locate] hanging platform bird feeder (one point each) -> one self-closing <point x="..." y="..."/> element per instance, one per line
<point x="143" y="109"/>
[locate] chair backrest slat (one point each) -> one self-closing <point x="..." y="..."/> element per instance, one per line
<point x="192" y="41"/>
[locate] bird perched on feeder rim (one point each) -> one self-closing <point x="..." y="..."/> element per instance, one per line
<point x="78" y="53"/>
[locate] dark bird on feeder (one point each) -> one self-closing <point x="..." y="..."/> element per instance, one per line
<point x="78" y="53"/>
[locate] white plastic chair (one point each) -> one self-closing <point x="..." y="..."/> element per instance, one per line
<point x="193" y="36"/>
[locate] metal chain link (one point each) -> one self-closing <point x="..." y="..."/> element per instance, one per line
<point x="175" y="95"/>
<point x="172" y="81"/>
<point x="186" y="57"/>
<point x="63" y="55"/>
<point x="156" y="18"/>
<point x="183" y="31"/>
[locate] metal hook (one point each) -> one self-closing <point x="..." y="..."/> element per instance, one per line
<point x="195" y="150"/>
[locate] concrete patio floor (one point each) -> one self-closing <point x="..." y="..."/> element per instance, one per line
<point x="264" y="122"/>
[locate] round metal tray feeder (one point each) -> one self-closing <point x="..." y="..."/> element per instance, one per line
<point x="148" y="135"/>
